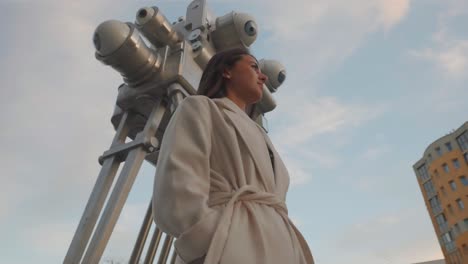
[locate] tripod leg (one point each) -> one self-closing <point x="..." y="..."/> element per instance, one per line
<point x="176" y="98"/>
<point x="122" y="188"/>
<point x="142" y="236"/>
<point x="96" y="199"/>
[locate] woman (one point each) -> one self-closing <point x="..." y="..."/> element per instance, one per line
<point x="217" y="190"/>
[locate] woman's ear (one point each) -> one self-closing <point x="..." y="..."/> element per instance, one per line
<point x="226" y="74"/>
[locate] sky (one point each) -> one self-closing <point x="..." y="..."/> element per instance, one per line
<point x="370" y="84"/>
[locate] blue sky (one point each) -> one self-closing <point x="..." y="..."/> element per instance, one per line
<point x="371" y="83"/>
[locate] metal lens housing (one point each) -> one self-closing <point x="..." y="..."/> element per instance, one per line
<point x="156" y="27"/>
<point x="234" y="30"/>
<point x="120" y="46"/>
<point x="276" y="73"/>
<point x="250" y="28"/>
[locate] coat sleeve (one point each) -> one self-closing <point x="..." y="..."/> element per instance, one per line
<point x="182" y="179"/>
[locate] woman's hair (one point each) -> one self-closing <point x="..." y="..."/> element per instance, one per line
<point x="212" y="83"/>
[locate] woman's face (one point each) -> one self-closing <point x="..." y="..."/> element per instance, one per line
<point x="244" y="81"/>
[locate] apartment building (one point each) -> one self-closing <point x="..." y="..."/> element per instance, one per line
<point x="442" y="174"/>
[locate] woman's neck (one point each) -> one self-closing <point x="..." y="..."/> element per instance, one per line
<point x="239" y="102"/>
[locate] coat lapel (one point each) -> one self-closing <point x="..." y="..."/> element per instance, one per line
<point x="271" y="147"/>
<point x="245" y="127"/>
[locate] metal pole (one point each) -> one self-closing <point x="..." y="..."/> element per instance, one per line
<point x="153" y="247"/>
<point x="96" y="199"/>
<point x="176" y="95"/>
<point x="122" y="188"/>
<point x="165" y="250"/>
<point x="174" y="255"/>
<point x="142" y="235"/>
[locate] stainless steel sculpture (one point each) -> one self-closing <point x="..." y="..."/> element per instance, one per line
<point x="156" y="79"/>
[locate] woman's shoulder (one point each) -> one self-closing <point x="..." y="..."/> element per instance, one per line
<point x="197" y="104"/>
<point x="197" y="100"/>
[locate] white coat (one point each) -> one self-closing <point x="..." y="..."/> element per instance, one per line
<point x="217" y="191"/>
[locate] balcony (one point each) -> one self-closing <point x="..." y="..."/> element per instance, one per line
<point x="431" y="194"/>
<point x="450" y="247"/>
<point x="443" y="228"/>
<point x="436" y="210"/>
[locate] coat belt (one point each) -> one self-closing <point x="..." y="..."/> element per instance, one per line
<point x="247" y="193"/>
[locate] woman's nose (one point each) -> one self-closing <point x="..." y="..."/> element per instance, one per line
<point x="262" y="77"/>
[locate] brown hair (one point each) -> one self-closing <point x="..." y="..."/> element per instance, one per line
<point x="212" y="83"/>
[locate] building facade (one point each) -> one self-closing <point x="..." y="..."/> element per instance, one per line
<point x="442" y="175"/>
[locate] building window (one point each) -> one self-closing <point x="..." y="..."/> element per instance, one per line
<point x="448" y="145"/>
<point x="453" y="185"/>
<point x="442" y="222"/>
<point x="430" y="191"/>
<point x="435" y="205"/>
<point x="445" y="167"/>
<point x="423" y="174"/>
<point x="456" y="164"/>
<point x="436" y="173"/>
<point x="439" y="151"/>
<point x="463" y="140"/>
<point x="463" y="180"/>
<point x="465" y="221"/>
<point x="448" y="242"/>
<point x="460" y="204"/>
<point x="466" y="157"/>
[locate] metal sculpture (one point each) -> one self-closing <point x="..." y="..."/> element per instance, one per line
<point x="158" y="70"/>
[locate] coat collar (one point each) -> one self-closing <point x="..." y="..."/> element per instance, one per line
<point x="228" y="104"/>
<point x="244" y="125"/>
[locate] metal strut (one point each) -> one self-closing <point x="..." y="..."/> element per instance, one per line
<point x="144" y="143"/>
<point x="176" y="98"/>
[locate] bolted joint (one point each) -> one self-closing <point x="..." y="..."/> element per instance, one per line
<point x="195" y="36"/>
<point x="151" y="144"/>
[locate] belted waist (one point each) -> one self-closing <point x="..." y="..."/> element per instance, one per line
<point x="247" y="193"/>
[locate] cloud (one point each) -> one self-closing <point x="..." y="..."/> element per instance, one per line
<point x="392" y="12"/>
<point x="375" y="152"/>
<point x="317" y="36"/>
<point x="298" y="174"/>
<point x="311" y="134"/>
<point x="55" y="113"/>
<point x="321" y="116"/>
<point x="451" y="57"/>
<point x="301" y="18"/>
<point x="448" y="52"/>
<point x="47" y="238"/>
<point x="408" y="235"/>
<point x="298" y="133"/>
<point x="59" y="102"/>
<point x="58" y="234"/>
